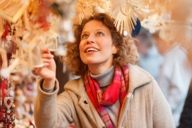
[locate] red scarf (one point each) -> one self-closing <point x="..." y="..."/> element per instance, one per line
<point x="117" y="90"/>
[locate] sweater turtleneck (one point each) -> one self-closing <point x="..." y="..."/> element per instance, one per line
<point x="105" y="78"/>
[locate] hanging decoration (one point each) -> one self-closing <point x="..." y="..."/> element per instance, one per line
<point x="89" y="7"/>
<point x="65" y="24"/>
<point x="7" y="116"/>
<point x="6" y="96"/>
<point x="127" y="13"/>
<point x="10" y="12"/>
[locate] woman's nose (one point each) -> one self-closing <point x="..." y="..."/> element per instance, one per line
<point x="91" y="38"/>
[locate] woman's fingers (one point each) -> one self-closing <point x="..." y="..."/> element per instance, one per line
<point x="36" y="71"/>
<point x="47" y="55"/>
<point x="48" y="69"/>
<point x="47" y="62"/>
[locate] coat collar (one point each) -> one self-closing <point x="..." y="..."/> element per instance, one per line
<point x="137" y="78"/>
<point x="77" y="86"/>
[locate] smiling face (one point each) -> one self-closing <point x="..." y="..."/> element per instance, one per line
<point x="96" y="47"/>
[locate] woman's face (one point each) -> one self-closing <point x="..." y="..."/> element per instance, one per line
<point x="96" y="46"/>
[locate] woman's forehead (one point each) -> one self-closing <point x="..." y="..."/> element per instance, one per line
<point x="93" y="25"/>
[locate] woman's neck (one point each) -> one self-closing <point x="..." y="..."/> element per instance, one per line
<point x="105" y="78"/>
<point x="97" y="69"/>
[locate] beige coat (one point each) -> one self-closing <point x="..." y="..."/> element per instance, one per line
<point x="144" y="107"/>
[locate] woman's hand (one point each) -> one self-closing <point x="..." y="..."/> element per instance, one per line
<point x="48" y="71"/>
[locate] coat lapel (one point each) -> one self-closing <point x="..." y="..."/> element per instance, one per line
<point x="137" y="79"/>
<point x="90" y="111"/>
<point x="85" y="104"/>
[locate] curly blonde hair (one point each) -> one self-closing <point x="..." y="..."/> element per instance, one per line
<point x="127" y="52"/>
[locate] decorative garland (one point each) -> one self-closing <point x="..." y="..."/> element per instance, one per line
<point x="7" y="116"/>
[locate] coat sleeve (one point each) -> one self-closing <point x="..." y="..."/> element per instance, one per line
<point x="49" y="112"/>
<point x="162" y="116"/>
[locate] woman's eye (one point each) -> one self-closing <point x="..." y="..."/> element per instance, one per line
<point x="100" y="34"/>
<point x="84" y="36"/>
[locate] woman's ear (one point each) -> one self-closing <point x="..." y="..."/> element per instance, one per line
<point x="114" y="49"/>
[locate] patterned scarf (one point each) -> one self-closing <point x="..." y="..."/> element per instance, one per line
<point x="115" y="91"/>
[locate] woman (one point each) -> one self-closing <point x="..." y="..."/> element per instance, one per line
<point x="111" y="92"/>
